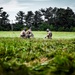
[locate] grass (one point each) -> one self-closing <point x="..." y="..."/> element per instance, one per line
<point x="40" y="34"/>
<point x="37" y="56"/>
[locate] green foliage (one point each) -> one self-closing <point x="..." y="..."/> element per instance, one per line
<point x="56" y="19"/>
<point x="4" y="21"/>
<point x="73" y="29"/>
<point x="37" y="56"/>
<point x="43" y="26"/>
<point x="18" y="27"/>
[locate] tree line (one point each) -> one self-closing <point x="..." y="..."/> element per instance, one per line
<point x="56" y="19"/>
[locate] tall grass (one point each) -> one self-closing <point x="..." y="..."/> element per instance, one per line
<point x="37" y="56"/>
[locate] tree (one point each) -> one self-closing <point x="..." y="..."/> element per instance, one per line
<point x="4" y="16"/>
<point x="0" y="14"/>
<point x="64" y="18"/>
<point x="19" y="25"/>
<point x="29" y="19"/>
<point x="37" y="19"/>
<point x="4" y="21"/>
<point x="48" y="14"/>
<point x="20" y="17"/>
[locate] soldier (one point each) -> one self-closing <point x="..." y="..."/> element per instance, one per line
<point x="49" y="34"/>
<point x="29" y="33"/>
<point x="23" y="33"/>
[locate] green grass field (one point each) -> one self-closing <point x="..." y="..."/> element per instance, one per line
<point x="40" y="34"/>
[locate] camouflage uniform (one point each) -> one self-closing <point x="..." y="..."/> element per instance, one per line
<point x="29" y="33"/>
<point x="49" y="34"/>
<point x="23" y="34"/>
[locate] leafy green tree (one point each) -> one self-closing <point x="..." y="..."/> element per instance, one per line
<point x="48" y="13"/>
<point x="29" y="19"/>
<point x="64" y="18"/>
<point x="4" y="16"/>
<point x="19" y="25"/>
<point x="4" y="21"/>
<point x="37" y="19"/>
<point x="0" y="13"/>
<point x="20" y="17"/>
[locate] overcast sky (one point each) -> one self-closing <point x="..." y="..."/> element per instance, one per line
<point x="13" y="6"/>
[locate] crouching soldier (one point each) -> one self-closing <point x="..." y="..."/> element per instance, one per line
<point x="23" y="33"/>
<point x="29" y="33"/>
<point x="49" y="34"/>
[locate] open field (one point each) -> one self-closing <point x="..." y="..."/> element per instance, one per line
<point x="40" y="34"/>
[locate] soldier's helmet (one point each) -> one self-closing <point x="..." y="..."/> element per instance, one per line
<point x="47" y="30"/>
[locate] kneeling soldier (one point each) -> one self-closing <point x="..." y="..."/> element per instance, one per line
<point x="23" y="33"/>
<point x="49" y="34"/>
<point x="29" y="33"/>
